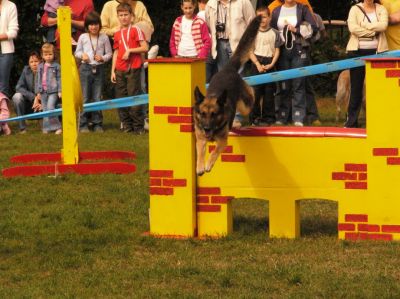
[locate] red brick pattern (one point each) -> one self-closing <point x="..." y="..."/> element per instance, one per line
<point x="162" y="182"/>
<point x="383" y="64"/>
<point x="385" y="152"/>
<point x="356" y="227"/>
<point x="391" y="154"/>
<point x="228" y="149"/>
<point x="165" y="110"/>
<point x="179" y="119"/>
<point x="392" y="73"/>
<point x="356" y="218"/>
<point x="355" y="167"/>
<point x="233" y="158"/>
<point x="187" y="128"/>
<point x="228" y="155"/>
<point x="209" y="199"/>
<point x="391" y="228"/>
<point x="182" y="116"/>
<point x="354" y="177"/>
<point x="186" y="110"/>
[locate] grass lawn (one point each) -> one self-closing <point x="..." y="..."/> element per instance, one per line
<point x="81" y="237"/>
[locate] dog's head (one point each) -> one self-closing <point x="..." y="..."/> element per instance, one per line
<point x="209" y="114"/>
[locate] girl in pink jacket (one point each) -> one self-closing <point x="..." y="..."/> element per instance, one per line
<point x="189" y="36"/>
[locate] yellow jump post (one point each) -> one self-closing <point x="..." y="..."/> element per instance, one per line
<point x="71" y="90"/>
<point x="356" y="168"/>
<point x="69" y="158"/>
<point x="171" y="143"/>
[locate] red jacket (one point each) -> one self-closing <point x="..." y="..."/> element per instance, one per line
<point x="201" y="37"/>
<point x="79" y="11"/>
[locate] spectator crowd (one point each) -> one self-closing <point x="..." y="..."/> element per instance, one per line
<point x="120" y="35"/>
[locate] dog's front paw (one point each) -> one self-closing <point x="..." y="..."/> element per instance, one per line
<point x="200" y="171"/>
<point x="209" y="166"/>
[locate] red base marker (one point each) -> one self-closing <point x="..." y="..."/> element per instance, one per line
<point x="81" y="168"/>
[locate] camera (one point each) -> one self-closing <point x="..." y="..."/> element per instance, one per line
<point x="220" y="27"/>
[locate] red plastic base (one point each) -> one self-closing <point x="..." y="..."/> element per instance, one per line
<point x="56" y="157"/>
<point x="82" y="168"/>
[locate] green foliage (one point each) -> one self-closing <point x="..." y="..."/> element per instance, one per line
<point x="326" y="50"/>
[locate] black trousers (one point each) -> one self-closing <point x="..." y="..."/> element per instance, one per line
<point x="357" y="77"/>
<point x="264" y="104"/>
<point x="128" y="84"/>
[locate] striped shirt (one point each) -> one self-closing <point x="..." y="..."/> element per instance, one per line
<point x="199" y="34"/>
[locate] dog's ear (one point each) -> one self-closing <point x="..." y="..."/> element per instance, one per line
<point x="222" y="98"/>
<point x="198" y="96"/>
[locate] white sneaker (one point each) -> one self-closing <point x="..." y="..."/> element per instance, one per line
<point x="298" y="124"/>
<point x="146" y="124"/>
<point x="278" y="123"/>
<point x="58" y="132"/>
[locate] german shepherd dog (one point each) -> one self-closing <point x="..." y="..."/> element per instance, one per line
<point x="214" y="113"/>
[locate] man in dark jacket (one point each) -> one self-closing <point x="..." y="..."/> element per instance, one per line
<point x="25" y="90"/>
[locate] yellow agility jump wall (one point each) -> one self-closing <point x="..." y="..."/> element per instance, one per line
<point x="355" y="167"/>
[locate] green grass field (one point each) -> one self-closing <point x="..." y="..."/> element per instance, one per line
<point x="82" y="237"/>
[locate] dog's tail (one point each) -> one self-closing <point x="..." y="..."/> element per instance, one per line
<point x="246" y="44"/>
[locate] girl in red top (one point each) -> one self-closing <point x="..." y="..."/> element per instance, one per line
<point x="189" y="35"/>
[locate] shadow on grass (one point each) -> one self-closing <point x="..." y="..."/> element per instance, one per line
<point x="317" y="217"/>
<point x="250" y="225"/>
<point x="250" y="216"/>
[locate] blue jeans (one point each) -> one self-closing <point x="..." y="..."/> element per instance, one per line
<point x="224" y="52"/>
<point x="289" y="59"/>
<point x="91" y="84"/>
<point x="22" y="106"/>
<point x="49" y="102"/>
<point x="6" y="62"/>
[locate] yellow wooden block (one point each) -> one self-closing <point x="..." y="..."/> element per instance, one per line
<point x="214" y="220"/>
<point x="172" y="175"/>
<point x="357" y="173"/>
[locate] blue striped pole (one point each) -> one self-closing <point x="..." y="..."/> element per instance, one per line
<point x="103" y="105"/>
<point x="316" y="69"/>
<point x="253" y="80"/>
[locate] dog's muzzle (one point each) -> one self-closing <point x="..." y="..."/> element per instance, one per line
<point x="207" y="132"/>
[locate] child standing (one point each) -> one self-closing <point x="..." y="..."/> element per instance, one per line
<point x="129" y="43"/>
<point x="264" y="58"/>
<point x="93" y="49"/>
<point x="189" y="36"/>
<point x="48" y="88"/>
